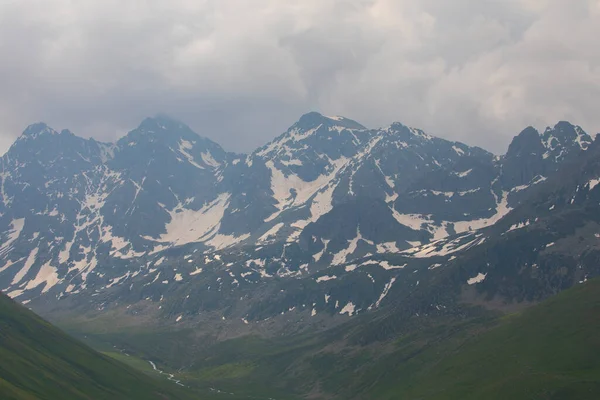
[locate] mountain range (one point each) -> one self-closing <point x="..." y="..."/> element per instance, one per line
<point x="163" y="209"/>
<point x="166" y="244"/>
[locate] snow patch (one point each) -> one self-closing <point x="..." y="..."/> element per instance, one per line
<point x="317" y="257"/>
<point x="209" y="160"/>
<point x="47" y="275"/>
<point x="184" y="146"/>
<point x="326" y="278"/>
<point x="458" y="150"/>
<point x="290" y="190"/>
<point x="477" y="279"/>
<point x="271" y="232"/>
<point x="444" y="247"/>
<point x="220" y="241"/>
<point x="16" y="226"/>
<point x="464" y="173"/>
<point x="519" y="225"/>
<point x="350" y="267"/>
<point x="593" y="183"/>
<point x="342" y="256"/>
<point x="388" y="247"/>
<point x="385" y="291"/>
<point x="28" y="264"/>
<point x="348" y="309"/>
<point x="502" y="209"/>
<point x="189" y="226"/>
<point x="387" y="266"/>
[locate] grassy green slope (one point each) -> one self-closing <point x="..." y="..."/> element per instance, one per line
<point x="38" y="361"/>
<point x="550" y="351"/>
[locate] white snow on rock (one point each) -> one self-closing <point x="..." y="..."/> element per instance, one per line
<point x="413" y="221"/>
<point x="317" y="256"/>
<point x="10" y="263"/>
<point x="348" y="309"/>
<point x="28" y="264"/>
<point x="322" y="202"/>
<point x="444" y="247"/>
<point x="477" y="279"/>
<point x="342" y="256"/>
<point x="326" y="278"/>
<point x="188" y="226"/>
<point x="16" y="226"/>
<point x="464" y="173"/>
<point x="283" y="185"/>
<point x="502" y="209"/>
<point x="220" y="241"/>
<point x="593" y="183"/>
<point x="389" y="247"/>
<point x="15" y="293"/>
<point x="350" y="267"/>
<point x="387" y="266"/>
<point x="458" y="150"/>
<point x="271" y="233"/>
<point x="47" y="275"/>
<point x="209" y="160"/>
<point x="184" y="146"/>
<point x="519" y="225"/>
<point x="385" y="291"/>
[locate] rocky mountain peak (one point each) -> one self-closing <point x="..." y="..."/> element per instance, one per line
<point x="406" y="133"/>
<point x="161" y="129"/>
<point x="162" y="122"/>
<point x="313" y="119"/>
<point x="39" y="128"/>
<point x="41" y="144"/>
<point x="526" y="143"/>
<point x="165" y="138"/>
<point x="566" y="135"/>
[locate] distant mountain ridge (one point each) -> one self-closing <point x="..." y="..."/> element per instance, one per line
<point x="164" y="215"/>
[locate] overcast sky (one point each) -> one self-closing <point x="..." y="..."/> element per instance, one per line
<point x="241" y="71"/>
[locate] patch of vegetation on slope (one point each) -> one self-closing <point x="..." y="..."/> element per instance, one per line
<point x="39" y="362"/>
<point x="548" y="351"/>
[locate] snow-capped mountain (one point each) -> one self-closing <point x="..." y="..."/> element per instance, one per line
<point x="326" y="218"/>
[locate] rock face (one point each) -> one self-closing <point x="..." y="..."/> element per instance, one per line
<point x="325" y="218"/>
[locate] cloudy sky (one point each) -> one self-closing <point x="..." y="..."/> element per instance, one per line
<point x="242" y="71"/>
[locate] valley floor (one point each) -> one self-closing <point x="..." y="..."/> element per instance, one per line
<point x="549" y="351"/>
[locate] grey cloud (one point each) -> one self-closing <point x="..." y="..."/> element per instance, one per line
<point x="241" y="71"/>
